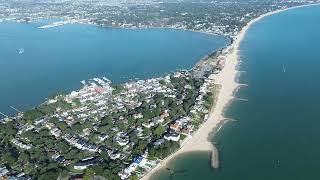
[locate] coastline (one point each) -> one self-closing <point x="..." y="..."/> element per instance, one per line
<point x="227" y="79"/>
<point x="200" y="141"/>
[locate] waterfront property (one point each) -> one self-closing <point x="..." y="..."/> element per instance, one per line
<point x="126" y="129"/>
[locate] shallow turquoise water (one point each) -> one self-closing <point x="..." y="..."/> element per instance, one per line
<point x="56" y="59"/>
<point x="277" y="133"/>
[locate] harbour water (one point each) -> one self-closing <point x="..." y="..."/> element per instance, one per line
<point x="276" y="135"/>
<point x="36" y="63"/>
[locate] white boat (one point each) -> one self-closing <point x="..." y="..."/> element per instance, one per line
<point x="283" y="68"/>
<point x="20" y="50"/>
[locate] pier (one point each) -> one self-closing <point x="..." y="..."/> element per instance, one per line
<point x="4" y="115"/>
<point x="15" y="109"/>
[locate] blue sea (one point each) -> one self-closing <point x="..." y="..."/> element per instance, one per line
<point x="277" y="132"/>
<point x="37" y="63"/>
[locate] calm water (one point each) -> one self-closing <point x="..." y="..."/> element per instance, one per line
<point x="278" y="129"/>
<point x="58" y="58"/>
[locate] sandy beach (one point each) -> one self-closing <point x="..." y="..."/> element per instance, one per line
<point x="200" y="140"/>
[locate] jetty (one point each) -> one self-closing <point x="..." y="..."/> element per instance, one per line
<point x="214" y="158"/>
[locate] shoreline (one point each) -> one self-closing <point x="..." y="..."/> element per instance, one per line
<point x="74" y="21"/>
<point x="227" y="79"/>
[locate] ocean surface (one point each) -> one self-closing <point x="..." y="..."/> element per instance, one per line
<point x="276" y="136"/>
<point x="37" y="63"/>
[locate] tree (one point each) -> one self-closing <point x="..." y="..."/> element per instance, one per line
<point x="94" y="136"/>
<point x="8" y="129"/>
<point x="117" y="89"/>
<point x="77" y="127"/>
<point x="71" y="154"/>
<point x="104" y="129"/>
<point x="54" y="120"/>
<point x="8" y="157"/>
<point x="88" y="174"/>
<point x="51" y="174"/>
<point x="134" y="177"/>
<point x="98" y="170"/>
<point x="62" y="125"/>
<point x="23" y="157"/>
<point x="164" y="149"/>
<point x="106" y="120"/>
<point x="159" y="131"/>
<point x="146" y="131"/>
<point x="63" y="147"/>
<point x="140" y="147"/>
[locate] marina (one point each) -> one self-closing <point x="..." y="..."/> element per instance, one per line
<point x="56" y="24"/>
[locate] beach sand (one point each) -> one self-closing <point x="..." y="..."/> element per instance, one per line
<point x="201" y="140"/>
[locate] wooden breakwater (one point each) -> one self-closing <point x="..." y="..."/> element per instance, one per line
<point x="214" y="158"/>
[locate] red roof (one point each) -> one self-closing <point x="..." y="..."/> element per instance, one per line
<point x="99" y="89"/>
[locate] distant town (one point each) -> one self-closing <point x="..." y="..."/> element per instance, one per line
<point x="224" y="17"/>
<point x="119" y="131"/>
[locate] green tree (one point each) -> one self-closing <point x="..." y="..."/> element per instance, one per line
<point x="88" y="174"/>
<point x="77" y="127"/>
<point x="62" y="125"/>
<point x="106" y="120"/>
<point x="159" y="131"/>
<point x="24" y="157"/>
<point x="63" y="147"/>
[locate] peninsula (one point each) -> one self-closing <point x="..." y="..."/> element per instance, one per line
<point x="122" y="131"/>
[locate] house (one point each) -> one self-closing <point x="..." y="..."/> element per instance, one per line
<point x="21" y="145"/>
<point x="122" y="138"/>
<point x="114" y="156"/>
<point x="85" y="163"/>
<point x="158" y="142"/>
<point x="148" y="125"/>
<point x="175" y="126"/>
<point x="138" y="116"/>
<point x="58" y="158"/>
<point x="112" y="153"/>
<point x="39" y="121"/>
<point x="139" y="131"/>
<point x="124" y="175"/>
<point x="157" y="120"/>
<point x="67" y="162"/>
<point x="172" y="136"/>
<point x="99" y="90"/>
<point x="186" y="130"/>
<point x="140" y="161"/>
<point x="153" y="106"/>
<point x="164" y="115"/>
<point x="103" y="137"/>
<point x="56" y="132"/>
<point x="3" y="171"/>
